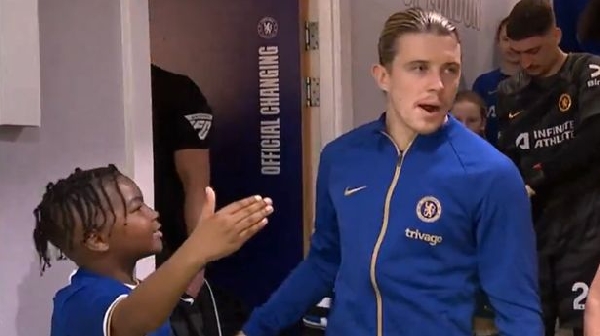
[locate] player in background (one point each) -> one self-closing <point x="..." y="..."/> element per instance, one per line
<point x="549" y="124"/>
<point x="470" y="109"/>
<point x="486" y="84"/>
<point x="589" y="31"/>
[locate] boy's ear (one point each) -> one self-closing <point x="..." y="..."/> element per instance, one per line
<point x="97" y="242"/>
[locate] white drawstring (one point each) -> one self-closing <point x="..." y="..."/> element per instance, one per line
<point x="214" y="302"/>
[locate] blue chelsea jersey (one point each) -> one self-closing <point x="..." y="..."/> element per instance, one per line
<point x="84" y="307"/>
<point x="486" y="86"/>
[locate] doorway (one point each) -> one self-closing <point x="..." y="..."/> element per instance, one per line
<point x="246" y="58"/>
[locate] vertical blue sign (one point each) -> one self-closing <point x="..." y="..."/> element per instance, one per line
<point x="257" y="136"/>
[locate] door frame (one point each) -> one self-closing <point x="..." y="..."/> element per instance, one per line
<point x="332" y="64"/>
<point x="137" y="105"/>
<point x="333" y="117"/>
<point x="335" y="62"/>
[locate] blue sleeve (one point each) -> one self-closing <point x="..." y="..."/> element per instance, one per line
<point x="88" y="311"/>
<point x="507" y="257"/>
<point x="313" y="278"/>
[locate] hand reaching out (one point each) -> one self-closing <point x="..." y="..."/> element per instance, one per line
<point x="223" y="232"/>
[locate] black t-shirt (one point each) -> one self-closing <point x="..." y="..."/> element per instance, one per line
<point x="182" y="119"/>
<point x="541" y="122"/>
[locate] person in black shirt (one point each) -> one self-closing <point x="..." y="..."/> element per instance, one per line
<point x="182" y="124"/>
<point x="550" y="126"/>
<point x="589" y="32"/>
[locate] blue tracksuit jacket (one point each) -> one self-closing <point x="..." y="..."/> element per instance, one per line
<point x="406" y="239"/>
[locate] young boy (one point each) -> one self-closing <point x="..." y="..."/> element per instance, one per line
<point x="470" y="109"/>
<point x="486" y="84"/>
<point x="98" y="219"/>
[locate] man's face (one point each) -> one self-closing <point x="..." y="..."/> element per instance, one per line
<point x="422" y="80"/>
<point x="538" y="53"/>
<point x="504" y="47"/>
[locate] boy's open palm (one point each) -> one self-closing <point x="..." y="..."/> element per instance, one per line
<point x="225" y="231"/>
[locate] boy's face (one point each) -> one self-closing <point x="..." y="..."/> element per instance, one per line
<point x="135" y="233"/>
<point x="422" y="80"/>
<point x="469" y="114"/>
<point x="504" y="46"/>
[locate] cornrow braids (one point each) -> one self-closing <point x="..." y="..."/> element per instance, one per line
<point x="83" y="198"/>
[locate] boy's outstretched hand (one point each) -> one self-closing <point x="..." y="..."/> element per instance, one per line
<point x="223" y="232"/>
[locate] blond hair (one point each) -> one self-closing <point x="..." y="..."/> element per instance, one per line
<point x="413" y="20"/>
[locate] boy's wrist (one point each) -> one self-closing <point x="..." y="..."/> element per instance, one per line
<point x="193" y="255"/>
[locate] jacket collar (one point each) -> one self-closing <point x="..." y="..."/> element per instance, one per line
<point x="380" y="127"/>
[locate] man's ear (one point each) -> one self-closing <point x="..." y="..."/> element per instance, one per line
<point x="381" y="76"/>
<point x="557" y="34"/>
<point x="97" y="242"/>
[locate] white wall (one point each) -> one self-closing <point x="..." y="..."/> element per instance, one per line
<point x="368" y="17"/>
<point x="86" y="102"/>
<point x="20" y="65"/>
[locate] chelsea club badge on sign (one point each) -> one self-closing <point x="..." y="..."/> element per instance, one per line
<point x="268" y="27"/>
<point x="429" y="209"/>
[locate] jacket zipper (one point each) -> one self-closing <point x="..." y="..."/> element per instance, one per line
<point x="382" y="232"/>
